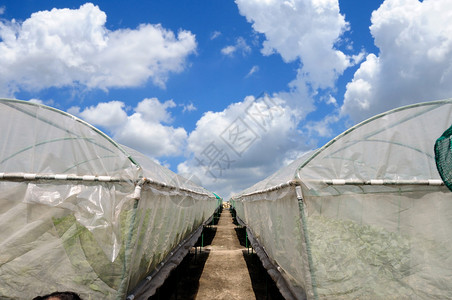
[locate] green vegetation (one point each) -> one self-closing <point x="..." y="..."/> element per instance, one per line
<point x="353" y="261"/>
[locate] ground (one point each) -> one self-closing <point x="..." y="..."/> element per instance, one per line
<point x="222" y="269"/>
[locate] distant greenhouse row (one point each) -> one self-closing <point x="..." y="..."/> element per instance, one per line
<point x="367" y="216"/>
<point x="80" y="212"/>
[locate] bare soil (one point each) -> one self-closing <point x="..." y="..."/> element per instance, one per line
<point x="222" y="269"/>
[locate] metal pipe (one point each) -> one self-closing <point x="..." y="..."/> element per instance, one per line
<point x="307" y="241"/>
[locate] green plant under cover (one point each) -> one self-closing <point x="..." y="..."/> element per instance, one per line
<point x="353" y="261"/>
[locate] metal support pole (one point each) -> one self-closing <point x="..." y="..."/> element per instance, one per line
<point x="307" y="242"/>
<point x="246" y="241"/>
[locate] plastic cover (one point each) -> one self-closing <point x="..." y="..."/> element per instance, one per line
<point x="75" y="211"/>
<point x="375" y="220"/>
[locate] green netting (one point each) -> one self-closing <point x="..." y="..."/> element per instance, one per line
<point x="443" y="157"/>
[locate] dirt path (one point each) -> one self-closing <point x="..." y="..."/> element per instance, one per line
<point x="222" y="270"/>
<point x="225" y="274"/>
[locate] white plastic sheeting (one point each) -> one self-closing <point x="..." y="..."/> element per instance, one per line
<point x="80" y="212"/>
<point x="371" y="220"/>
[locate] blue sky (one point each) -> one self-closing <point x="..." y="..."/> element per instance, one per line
<point x="225" y="92"/>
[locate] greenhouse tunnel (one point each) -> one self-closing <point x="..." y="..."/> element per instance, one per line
<point x="367" y="216"/>
<point x="80" y="212"/>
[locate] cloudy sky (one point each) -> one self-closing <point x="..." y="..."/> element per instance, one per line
<point x="227" y="92"/>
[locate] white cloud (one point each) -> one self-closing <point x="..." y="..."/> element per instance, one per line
<point x="65" y="47"/>
<point x="302" y="29"/>
<point x="153" y="139"/>
<point x="142" y="130"/>
<point x="152" y="110"/>
<point x="331" y="100"/>
<point x="2" y="10"/>
<point x="253" y="70"/>
<point x="228" y="50"/>
<point x="239" y="46"/>
<point x="247" y="141"/>
<point x="322" y="128"/>
<point x="107" y="114"/>
<point x="189" y="107"/>
<point x="307" y="32"/>
<point x="48" y="102"/>
<point x="37" y="101"/>
<point x="215" y="34"/>
<point x="414" y="63"/>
